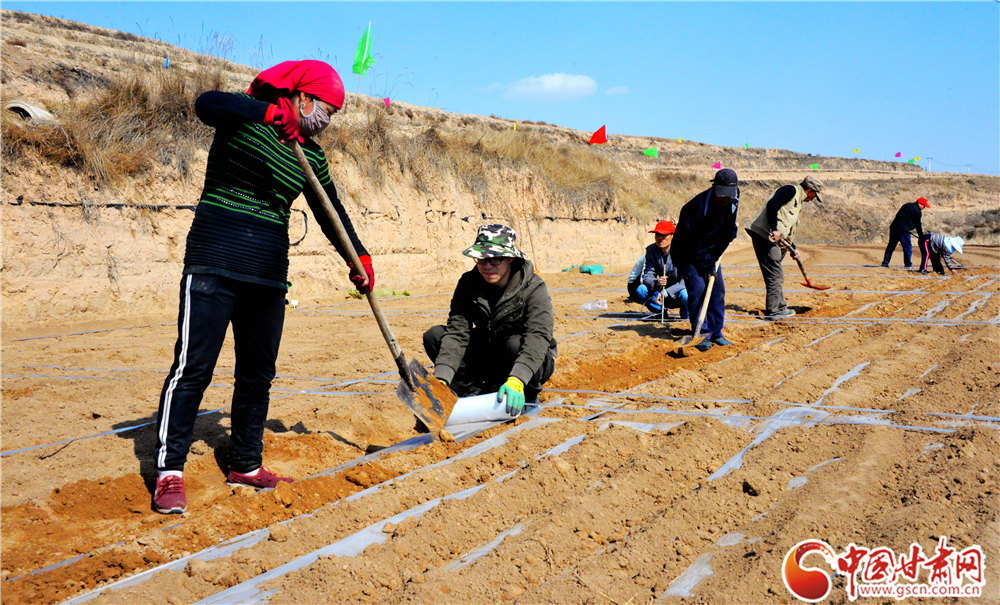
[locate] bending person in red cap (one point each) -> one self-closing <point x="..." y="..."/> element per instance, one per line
<point x="654" y="280"/>
<point x="906" y="222"/>
<point x="236" y="261"/>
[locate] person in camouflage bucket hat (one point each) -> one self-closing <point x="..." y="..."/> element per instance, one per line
<point x="493" y="241"/>
<point x="498" y="338"/>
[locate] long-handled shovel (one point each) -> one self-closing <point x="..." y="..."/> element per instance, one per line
<point x="806" y="283"/>
<point x="696" y="336"/>
<point x="429" y="400"/>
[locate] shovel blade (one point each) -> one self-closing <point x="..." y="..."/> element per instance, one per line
<point x="429" y="400"/>
<point x="686" y="340"/>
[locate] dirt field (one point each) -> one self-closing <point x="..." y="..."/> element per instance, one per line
<point x="873" y="417"/>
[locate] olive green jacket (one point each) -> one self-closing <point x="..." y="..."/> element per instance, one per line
<point x="524" y="309"/>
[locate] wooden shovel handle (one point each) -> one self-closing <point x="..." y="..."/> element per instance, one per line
<point x="704" y="303"/>
<point x="802" y="267"/>
<point x="352" y="255"/>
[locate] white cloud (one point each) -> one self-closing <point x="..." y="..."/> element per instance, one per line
<point x="617" y="90"/>
<point x="492" y="88"/>
<point x="551" y="87"/>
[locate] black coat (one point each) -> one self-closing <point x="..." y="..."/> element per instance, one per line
<point x="704" y="231"/>
<point x="908" y="219"/>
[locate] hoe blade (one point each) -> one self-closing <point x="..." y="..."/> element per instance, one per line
<point x="809" y="284"/>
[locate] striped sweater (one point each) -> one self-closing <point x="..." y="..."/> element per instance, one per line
<point x="240" y="229"/>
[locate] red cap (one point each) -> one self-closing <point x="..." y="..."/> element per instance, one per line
<point x="923" y="202"/>
<point x="664" y="228"/>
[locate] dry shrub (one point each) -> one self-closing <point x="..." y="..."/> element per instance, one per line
<point x="582" y="176"/>
<point x="124" y="129"/>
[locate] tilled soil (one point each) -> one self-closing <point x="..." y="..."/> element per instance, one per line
<point x="894" y="375"/>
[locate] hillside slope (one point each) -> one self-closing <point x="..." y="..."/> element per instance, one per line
<point x="418" y="182"/>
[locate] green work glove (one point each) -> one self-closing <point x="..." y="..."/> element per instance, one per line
<point x="512" y="393"/>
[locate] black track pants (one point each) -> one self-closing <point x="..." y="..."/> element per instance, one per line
<point x="208" y="304"/>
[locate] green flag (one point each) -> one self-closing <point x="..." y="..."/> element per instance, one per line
<point x="651" y="152"/>
<point x="748" y="145"/>
<point x="363" y="58"/>
<point x="911" y="161"/>
<point x="814" y="166"/>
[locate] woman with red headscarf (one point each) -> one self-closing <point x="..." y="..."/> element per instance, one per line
<point x="236" y="261"/>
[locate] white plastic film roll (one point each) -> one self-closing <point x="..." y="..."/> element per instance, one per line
<point x="480" y="408"/>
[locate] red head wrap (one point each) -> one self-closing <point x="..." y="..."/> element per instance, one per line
<point x="310" y="76"/>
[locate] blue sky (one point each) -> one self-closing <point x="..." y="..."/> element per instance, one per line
<point x="921" y="78"/>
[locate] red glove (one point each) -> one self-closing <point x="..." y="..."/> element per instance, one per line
<point x="358" y="280"/>
<point x="284" y="123"/>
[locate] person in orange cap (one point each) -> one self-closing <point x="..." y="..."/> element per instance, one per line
<point x="906" y="222"/>
<point x="654" y="281"/>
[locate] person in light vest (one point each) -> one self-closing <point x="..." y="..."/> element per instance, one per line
<point x="772" y="232"/>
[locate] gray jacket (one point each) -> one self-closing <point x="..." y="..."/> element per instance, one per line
<point x="524" y="309"/>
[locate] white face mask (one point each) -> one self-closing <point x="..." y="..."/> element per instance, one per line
<point x="312" y="124"/>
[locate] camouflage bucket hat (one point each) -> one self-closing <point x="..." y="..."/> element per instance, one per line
<point x="494" y="241"/>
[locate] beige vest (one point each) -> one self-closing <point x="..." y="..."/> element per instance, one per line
<point x="788" y="217"/>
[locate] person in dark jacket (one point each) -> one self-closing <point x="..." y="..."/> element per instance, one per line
<point x="661" y="282"/>
<point x="906" y="222"/>
<point x="499" y="335"/>
<point x="236" y="261"/>
<point x="705" y="228"/>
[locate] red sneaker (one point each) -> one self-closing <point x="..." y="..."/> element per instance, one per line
<point x="169" y="497"/>
<point x="263" y="479"/>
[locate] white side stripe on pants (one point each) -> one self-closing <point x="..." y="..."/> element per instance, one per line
<point x="161" y="456"/>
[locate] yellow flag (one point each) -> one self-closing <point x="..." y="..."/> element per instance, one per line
<point x="917" y="158"/>
<point x="855" y="151"/>
<point x="678" y="139"/>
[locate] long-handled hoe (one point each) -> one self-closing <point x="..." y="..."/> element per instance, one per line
<point x="429" y="400"/>
<point x="806" y="283"/>
<point x="696" y="336"/>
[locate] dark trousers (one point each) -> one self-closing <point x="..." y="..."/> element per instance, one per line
<point x="769" y="257"/>
<point x="896" y="237"/>
<point x="487" y="368"/>
<point x="715" y="314"/>
<point x="925" y="252"/>
<point x="208" y="304"/>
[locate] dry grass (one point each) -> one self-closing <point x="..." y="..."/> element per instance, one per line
<point x="478" y="155"/>
<point x="124" y="129"/>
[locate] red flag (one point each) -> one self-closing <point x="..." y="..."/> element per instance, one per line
<point x="899" y="154"/>
<point x="599" y="137"/>
<point x="717" y="165"/>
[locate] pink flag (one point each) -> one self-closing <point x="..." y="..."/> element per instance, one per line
<point x="387" y="102"/>
<point x="899" y="154"/>
<point x="717" y="165"/>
